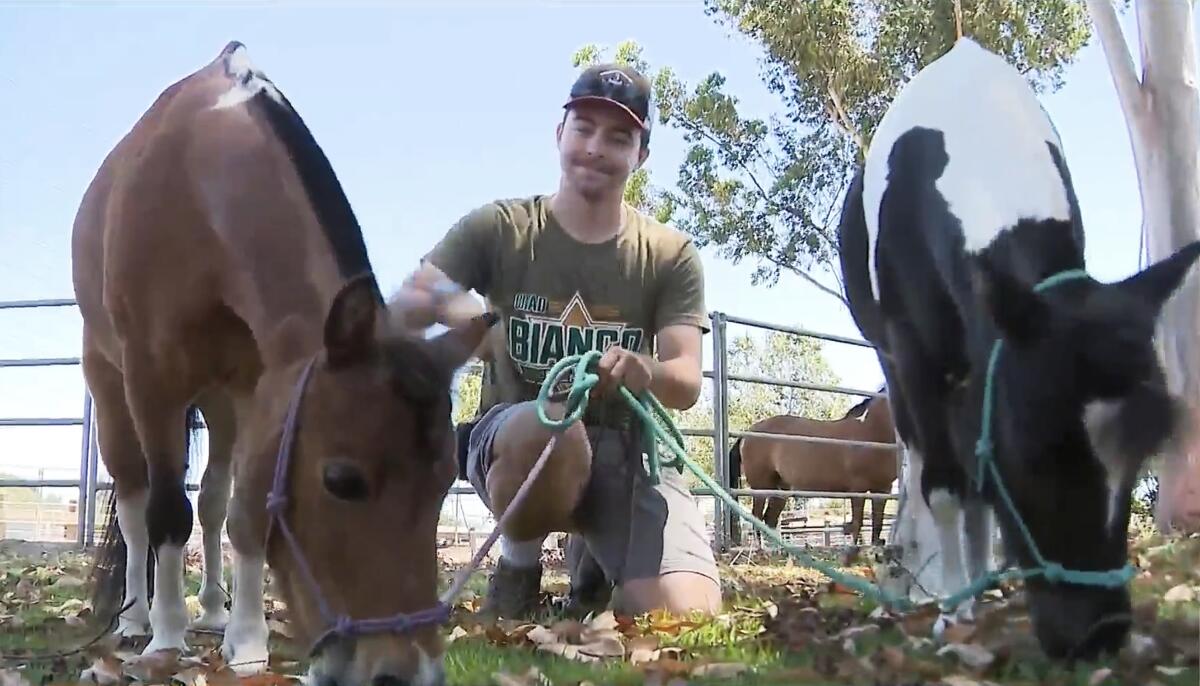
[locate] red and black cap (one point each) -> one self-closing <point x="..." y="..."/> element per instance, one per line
<point x="619" y="85"/>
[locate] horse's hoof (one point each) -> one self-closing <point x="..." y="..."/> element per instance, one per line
<point x="132" y="628"/>
<point x="246" y="659"/>
<point x="212" y="621"/>
<point x="161" y="642"/>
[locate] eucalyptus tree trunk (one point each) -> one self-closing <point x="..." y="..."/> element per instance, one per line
<point x="1162" y="112"/>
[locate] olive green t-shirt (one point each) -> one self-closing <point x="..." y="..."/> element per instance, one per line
<point x="557" y="296"/>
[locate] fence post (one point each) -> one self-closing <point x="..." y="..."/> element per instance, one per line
<point x="721" y="430"/>
<point x="719" y="471"/>
<point x="92" y="474"/>
<point x="81" y="501"/>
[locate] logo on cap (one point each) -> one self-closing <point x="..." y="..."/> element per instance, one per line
<point x="616" y="77"/>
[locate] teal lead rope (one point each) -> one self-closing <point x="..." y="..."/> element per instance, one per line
<point x="659" y="427"/>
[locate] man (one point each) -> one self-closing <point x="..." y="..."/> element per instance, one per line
<point x="575" y="271"/>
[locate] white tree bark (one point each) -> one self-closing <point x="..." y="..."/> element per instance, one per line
<point x="1162" y="111"/>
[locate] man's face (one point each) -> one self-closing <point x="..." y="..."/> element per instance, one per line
<point x="599" y="146"/>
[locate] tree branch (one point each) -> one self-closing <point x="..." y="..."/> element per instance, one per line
<point x="1120" y="64"/>
<point x="696" y="127"/>
<point x="843" y="120"/>
<point x="807" y="277"/>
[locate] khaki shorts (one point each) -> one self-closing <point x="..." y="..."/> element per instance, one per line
<point x="633" y="529"/>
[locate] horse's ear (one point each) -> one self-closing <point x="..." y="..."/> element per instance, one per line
<point x="1156" y="283"/>
<point x="454" y="347"/>
<point x="350" y="323"/>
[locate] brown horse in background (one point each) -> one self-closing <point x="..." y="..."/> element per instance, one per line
<point x="218" y="265"/>
<point x="784" y="464"/>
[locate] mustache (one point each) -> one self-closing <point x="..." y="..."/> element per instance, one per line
<point x="594" y="165"/>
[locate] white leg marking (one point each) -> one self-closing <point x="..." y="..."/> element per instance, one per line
<point x="245" y="646"/>
<point x="430" y="672"/>
<point x="522" y="553"/>
<point x="168" y="613"/>
<point x="977" y="532"/>
<point x="131" y="518"/>
<point x="213" y="502"/>
<point x="947" y="514"/>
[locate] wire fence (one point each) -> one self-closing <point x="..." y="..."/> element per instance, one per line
<point x="74" y="518"/>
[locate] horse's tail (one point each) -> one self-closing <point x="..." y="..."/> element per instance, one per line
<point x="735" y="464"/>
<point x="110" y="556"/>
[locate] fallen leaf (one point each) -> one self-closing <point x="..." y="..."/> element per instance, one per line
<point x="719" y="670"/>
<point x="970" y="654"/>
<point x="643" y="649"/>
<point x="456" y="633"/>
<point x="959" y="632"/>
<point x="192" y="676"/>
<point x="9" y="677"/>
<point x="155" y="667"/>
<point x="960" y="681"/>
<point x="104" y="670"/>
<point x="532" y="677"/>
<point x="604" y="647"/>
<point x="266" y="679"/>
<point x="1099" y="676"/>
<point x="1180" y="594"/>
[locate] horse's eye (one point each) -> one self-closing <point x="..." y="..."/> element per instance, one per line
<point x="344" y="481"/>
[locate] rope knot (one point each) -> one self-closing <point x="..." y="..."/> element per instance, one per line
<point x="343" y="626"/>
<point x="275" y="503"/>
<point x="1054" y="572"/>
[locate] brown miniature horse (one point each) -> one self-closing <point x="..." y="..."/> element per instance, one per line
<point x="218" y="264"/>
<point x="781" y="464"/>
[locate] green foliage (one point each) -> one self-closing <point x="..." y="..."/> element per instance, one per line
<point x="467" y="393"/>
<point x="771" y="189"/>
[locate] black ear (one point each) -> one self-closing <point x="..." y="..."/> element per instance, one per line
<point x="1020" y="313"/>
<point x="1156" y="283"/>
<point x="350" y="324"/>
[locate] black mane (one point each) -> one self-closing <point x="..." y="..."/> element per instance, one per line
<point x="321" y="184"/>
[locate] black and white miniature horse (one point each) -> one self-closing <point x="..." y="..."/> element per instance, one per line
<point x="965" y="204"/>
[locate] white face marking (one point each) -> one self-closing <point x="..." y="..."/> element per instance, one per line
<point x="995" y="131"/>
<point x="1100" y="422"/>
<point x="249" y="81"/>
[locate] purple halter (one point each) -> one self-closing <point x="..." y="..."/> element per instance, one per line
<point x="339" y="625"/>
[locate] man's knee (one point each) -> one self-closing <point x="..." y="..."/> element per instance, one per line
<point x="551" y="500"/>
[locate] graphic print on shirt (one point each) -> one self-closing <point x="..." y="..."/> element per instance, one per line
<point x="538" y="339"/>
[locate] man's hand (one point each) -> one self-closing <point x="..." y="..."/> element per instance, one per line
<point x="429" y="297"/>
<point x="621" y="367"/>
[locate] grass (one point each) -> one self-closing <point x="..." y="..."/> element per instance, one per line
<point x="781" y="624"/>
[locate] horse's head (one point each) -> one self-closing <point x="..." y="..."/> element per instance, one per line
<point x="370" y="465"/>
<point x="1081" y="402"/>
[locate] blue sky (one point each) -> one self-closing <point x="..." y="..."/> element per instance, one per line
<point x="426" y="110"/>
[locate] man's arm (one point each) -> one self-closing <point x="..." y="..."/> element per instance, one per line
<point x="437" y="292"/>
<point x="676" y="376"/>
<point x="681" y="320"/>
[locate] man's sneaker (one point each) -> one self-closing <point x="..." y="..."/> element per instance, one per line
<point x="513" y="592"/>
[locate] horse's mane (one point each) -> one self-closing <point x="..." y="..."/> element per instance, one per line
<point x="861" y="407"/>
<point x="321" y="184"/>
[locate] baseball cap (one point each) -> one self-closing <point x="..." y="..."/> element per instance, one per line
<point x="618" y="84"/>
